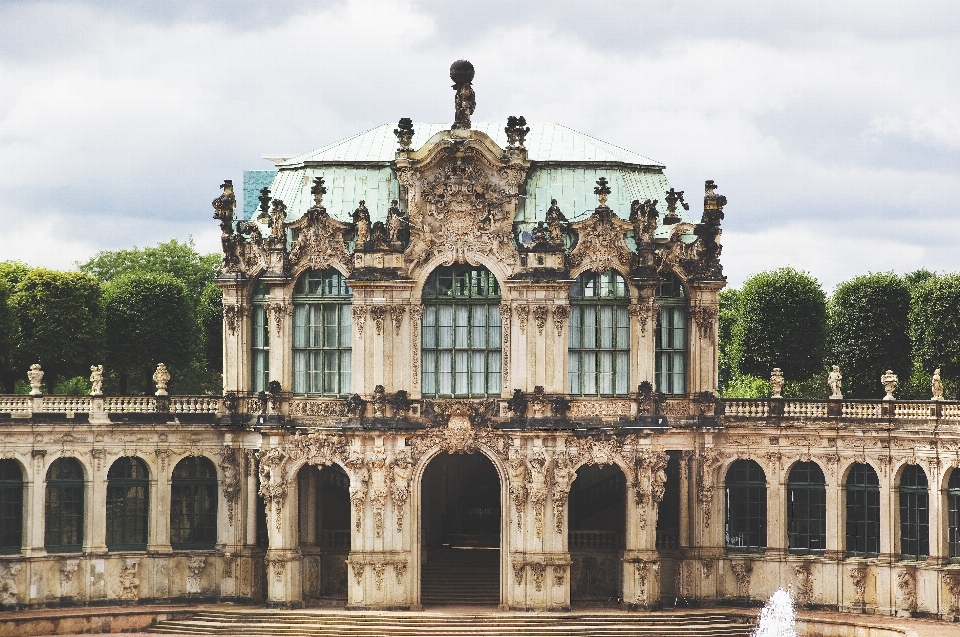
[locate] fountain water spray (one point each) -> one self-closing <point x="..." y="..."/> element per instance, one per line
<point x="777" y="618"/>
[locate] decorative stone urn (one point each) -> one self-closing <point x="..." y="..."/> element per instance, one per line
<point x="889" y="381"/>
<point x="35" y="375"/>
<point x="161" y="377"/>
<point x="776" y="383"/>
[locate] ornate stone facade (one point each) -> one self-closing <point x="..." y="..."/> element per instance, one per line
<point x="460" y="198"/>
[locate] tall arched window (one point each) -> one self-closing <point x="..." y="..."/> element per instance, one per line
<point x="953" y="508"/>
<point x="806" y="509"/>
<point x="863" y="511"/>
<point x="599" y="345"/>
<point x="746" y="515"/>
<point x="322" y="334"/>
<point x="128" y="487"/>
<point x="914" y="517"/>
<point x="260" y="340"/>
<point x="671" y="346"/>
<point x="11" y="507"/>
<point x="461" y="332"/>
<point x="193" y="504"/>
<point x="64" y="523"/>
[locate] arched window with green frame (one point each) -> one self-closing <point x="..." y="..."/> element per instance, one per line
<point x="953" y="519"/>
<point x="193" y="504"/>
<point x="461" y="346"/>
<point x="128" y="490"/>
<point x="11" y="507"/>
<point x="64" y="510"/>
<point x="598" y="354"/>
<point x="671" y="337"/>
<point x="862" y="490"/>
<point x="260" y="339"/>
<point x="914" y="514"/>
<point x="806" y="509"/>
<point x="322" y="324"/>
<point x="746" y="502"/>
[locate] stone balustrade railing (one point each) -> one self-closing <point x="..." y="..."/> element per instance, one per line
<point x="66" y="404"/>
<point x="26" y="406"/>
<point x="918" y="410"/>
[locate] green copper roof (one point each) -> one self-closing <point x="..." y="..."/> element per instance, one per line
<point x="565" y="166"/>
<point x="545" y="143"/>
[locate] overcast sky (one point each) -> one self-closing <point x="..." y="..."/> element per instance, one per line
<point x="832" y="127"/>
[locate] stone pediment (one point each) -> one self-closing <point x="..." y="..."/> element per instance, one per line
<point x="461" y="192"/>
<point x="601" y="244"/>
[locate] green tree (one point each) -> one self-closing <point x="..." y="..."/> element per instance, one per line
<point x="148" y="321"/>
<point x="782" y="323"/>
<point x="935" y="327"/>
<point x="179" y="260"/>
<point x="728" y="313"/>
<point x="869" y="332"/>
<point x="210" y="326"/>
<point x="6" y="338"/>
<point x="58" y="322"/>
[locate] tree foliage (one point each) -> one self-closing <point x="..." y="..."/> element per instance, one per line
<point x="210" y="326"/>
<point x="727" y="318"/>
<point x="935" y="325"/>
<point x="148" y="321"/>
<point x="179" y="260"/>
<point x="782" y="322"/>
<point x="58" y="322"/>
<point x="869" y="332"/>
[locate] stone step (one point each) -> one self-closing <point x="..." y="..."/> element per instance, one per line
<point x="368" y="624"/>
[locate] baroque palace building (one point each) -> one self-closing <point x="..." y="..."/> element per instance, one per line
<point x="476" y="364"/>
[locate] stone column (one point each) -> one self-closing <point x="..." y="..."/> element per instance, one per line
<point x="95" y="505"/>
<point x="34" y="505"/>
<point x="280" y="326"/>
<point x="158" y="531"/>
<point x="776" y="508"/>
<point x="236" y="334"/>
<point x="938" y="519"/>
<point x="703" y="309"/>
<point x="283" y="559"/>
<point x="644" y="313"/>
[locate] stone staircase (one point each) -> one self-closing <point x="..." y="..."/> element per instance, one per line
<point x="318" y="623"/>
<point x="460" y="577"/>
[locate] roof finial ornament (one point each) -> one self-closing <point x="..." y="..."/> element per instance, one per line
<point x="318" y="191"/>
<point x="516" y="131"/>
<point x="465" y="102"/>
<point x="602" y="190"/>
<point x="404" y="133"/>
<point x="673" y="197"/>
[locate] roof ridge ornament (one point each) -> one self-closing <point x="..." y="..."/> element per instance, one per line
<point x="516" y="131"/>
<point x="602" y="191"/>
<point x="673" y="197"/>
<point x="465" y="101"/>
<point x="404" y="132"/>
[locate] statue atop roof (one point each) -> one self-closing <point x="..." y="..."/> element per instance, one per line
<point x="461" y="72"/>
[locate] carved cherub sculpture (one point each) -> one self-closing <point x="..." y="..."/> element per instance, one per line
<point x="776" y="383"/>
<point x="834" y="381"/>
<point x="936" y="385"/>
<point x="96" y="380"/>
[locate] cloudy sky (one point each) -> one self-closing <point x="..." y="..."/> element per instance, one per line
<point x="832" y="127"/>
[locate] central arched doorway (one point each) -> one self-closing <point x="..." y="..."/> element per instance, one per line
<point x="460" y="531"/>
<point x="597" y="523"/>
<point x="324" y="494"/>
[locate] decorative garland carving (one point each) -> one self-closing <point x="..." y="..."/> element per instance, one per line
<point x="231" y="317"/>
<point x="359" y="314"/>
<point x="416" y="314"/>
<point x="396" y="313"/>
<point x="705" y="317"/>
<point x="505" y="315"/>
<point x="560" y="314"/>
<point x="710" y="460"/>
<point x="379" y="313"/>
<point x="523" y="311"/>
<point x="858" y="575"/>
<point x="278" y="310"/>
<point x="540" y="316"/>
<point x="230" y="464"/>
<point x="401" y="471"/>
<point x="563" y="476"/>
<point x="741" y="572"/>
<point x="519" y="473"/>
<point x="649" y="479"/>
<point x="538" y="491"/>
<point x="359" y="480"/>
<point x="379" y="488"/>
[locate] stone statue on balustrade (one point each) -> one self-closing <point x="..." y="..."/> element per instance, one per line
<point x="35" y="376"/>
<point x="776" y="383"/>
<point x="889" y="381"/>
<point x="161" y="377"/>
<point x="834" y="381"/>
<point x="936" y="385"/>
<point x="96" y="380"/>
